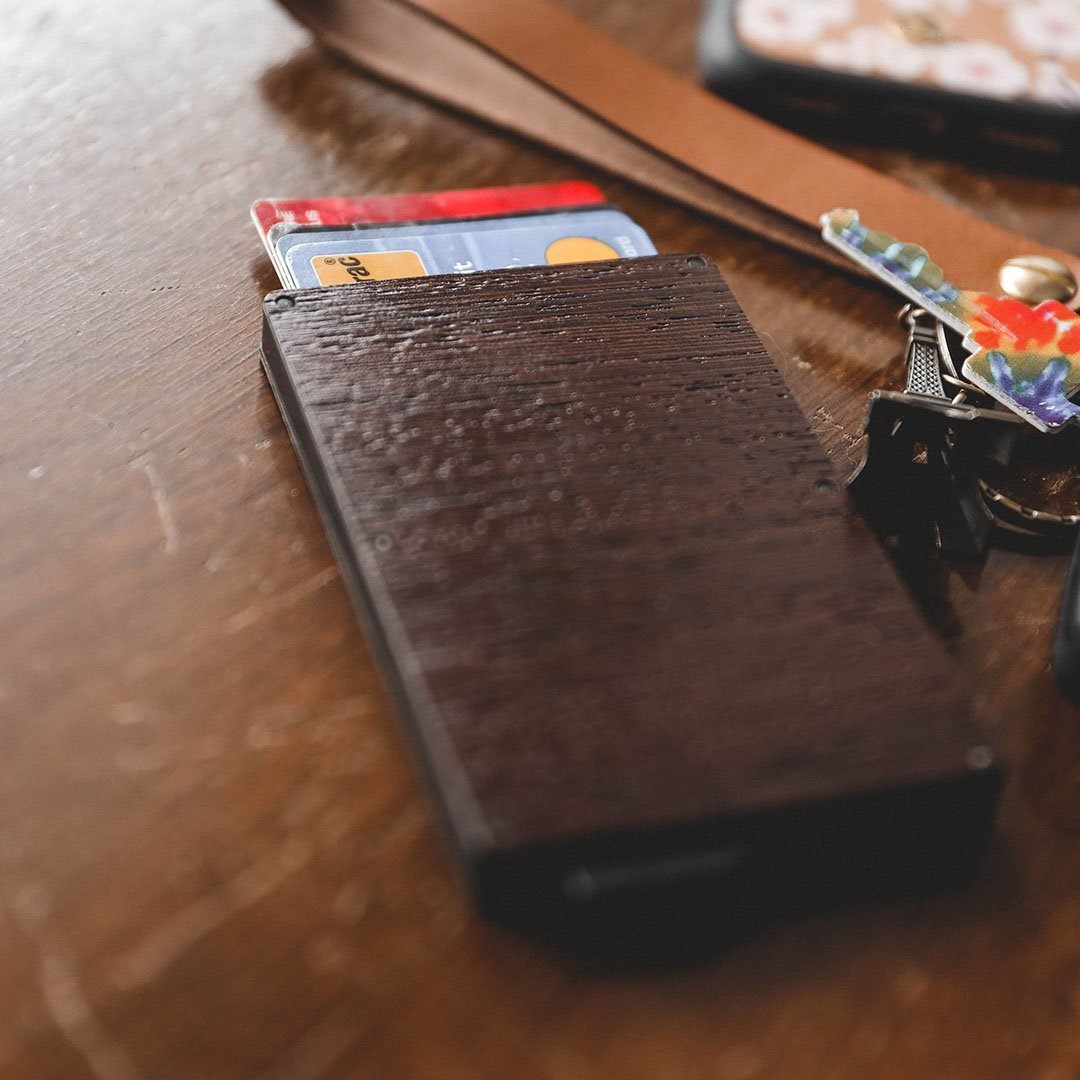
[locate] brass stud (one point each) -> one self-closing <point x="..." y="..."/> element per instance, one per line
<point x="1035" y="278"/>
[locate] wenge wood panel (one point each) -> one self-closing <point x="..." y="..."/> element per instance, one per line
<point x="607" y="561"/>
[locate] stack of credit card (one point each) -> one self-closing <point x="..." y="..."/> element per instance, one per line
<point x="325" y="242"/>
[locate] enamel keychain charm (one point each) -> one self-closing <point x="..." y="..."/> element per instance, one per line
<point x="1028" y="358"/>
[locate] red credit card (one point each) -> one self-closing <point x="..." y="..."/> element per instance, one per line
<point x="476" y="202"/>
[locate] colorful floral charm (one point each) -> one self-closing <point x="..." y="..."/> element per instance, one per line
<point x="1028" y="358"/>
<point x="1034" y="363"/>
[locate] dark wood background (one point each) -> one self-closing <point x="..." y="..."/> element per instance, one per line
<point x="215" y="857"/>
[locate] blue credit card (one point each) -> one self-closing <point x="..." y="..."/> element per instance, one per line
<point x="340" y="257"/>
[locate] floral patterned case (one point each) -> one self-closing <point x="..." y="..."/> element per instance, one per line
<point x="997" y="76"/>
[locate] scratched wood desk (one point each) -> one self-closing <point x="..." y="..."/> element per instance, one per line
<point x="215" y="858"/>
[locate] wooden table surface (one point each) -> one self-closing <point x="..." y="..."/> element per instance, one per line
<point x="215" y="857"/>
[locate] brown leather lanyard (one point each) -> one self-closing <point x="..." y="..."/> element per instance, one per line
<point x="532" y="67"/>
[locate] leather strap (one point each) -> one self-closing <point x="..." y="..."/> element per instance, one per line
<point x="532" y="67"/>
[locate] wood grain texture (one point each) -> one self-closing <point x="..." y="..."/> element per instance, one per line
<point x="610" y="570"/>
<point x="215" y="858"/>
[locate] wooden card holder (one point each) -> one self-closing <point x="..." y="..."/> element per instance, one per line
<point x="642" y="643"/>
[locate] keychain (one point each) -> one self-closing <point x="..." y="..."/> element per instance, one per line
<point x="939" y="451"/>
<point x="933" y="448"/>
